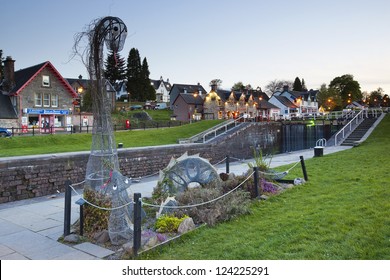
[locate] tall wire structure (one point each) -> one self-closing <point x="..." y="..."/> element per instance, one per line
<point x="102" y="173"/>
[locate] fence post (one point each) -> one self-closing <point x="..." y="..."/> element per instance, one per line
<point x="33" y="131"/>
<point x="137" y="223"/>
<point x="303" y="168"/>
<point x="256" y="179"/>
<point x="67" y="212"/>
<point x="227" y="164"/>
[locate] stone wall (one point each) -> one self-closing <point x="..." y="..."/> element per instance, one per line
<point x="35" y="176"/>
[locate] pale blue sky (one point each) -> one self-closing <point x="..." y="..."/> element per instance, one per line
<point x="251" y="41"/>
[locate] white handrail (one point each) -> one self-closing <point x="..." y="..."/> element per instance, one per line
<point x="214" y="131"/>
<point x="360" y="115"/>
<point x="321" y="142"/>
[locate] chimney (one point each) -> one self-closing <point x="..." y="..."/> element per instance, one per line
<point x="9" y="73"/>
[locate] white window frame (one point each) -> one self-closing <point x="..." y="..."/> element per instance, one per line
<point x="45" y="81"/>
<point x="54" y="100"/>
<point x="46" y="100"/>
<point x="38" y="100"/>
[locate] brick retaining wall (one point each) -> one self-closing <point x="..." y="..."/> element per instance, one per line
<point x="35" y="176"/>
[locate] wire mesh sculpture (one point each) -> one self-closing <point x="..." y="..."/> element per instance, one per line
<point x="187" y="169"/>
<point x="102" y="174"/>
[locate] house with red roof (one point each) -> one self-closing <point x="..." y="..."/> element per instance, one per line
<point x="37" y="96"/>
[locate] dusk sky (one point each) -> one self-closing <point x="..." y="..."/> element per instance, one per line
<point x="248" y="41"/>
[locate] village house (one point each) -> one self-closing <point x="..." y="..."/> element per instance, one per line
<point x="298" y="103"/>
<point x="176" y="89"/>
<point x="37" y="96"/>
<point x="162" y="89"/>
<point x="223" y="104"/>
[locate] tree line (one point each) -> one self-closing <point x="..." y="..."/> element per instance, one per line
<point x="135" y="73"/>
<point x="340" y="92"/>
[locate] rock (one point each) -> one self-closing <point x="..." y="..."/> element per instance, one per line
<point x="128" y="248"/>
<point x="263" y="197"/>
<point x="299" y="181"/>
<point x="72" y="238"/>
<point x="101" y="237"/>
<point x="186" y="225"/>
<point x="224" y="176"/>
<point x="232" y="176"/>
<point x="153" y="241"/>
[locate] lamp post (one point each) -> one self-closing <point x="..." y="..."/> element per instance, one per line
<point x="80" y="91"/>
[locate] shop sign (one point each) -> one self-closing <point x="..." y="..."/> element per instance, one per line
<point x="46" y="111"/>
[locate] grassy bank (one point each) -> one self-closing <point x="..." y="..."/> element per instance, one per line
<point x="44" y="144"/>
<point x="342" y="212"/>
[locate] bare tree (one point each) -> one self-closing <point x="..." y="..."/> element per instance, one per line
<point x="276" y="85"/>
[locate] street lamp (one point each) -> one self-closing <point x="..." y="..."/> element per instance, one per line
<point x="80" y="91"/>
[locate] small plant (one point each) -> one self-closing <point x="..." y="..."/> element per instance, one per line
<point x="95" y="219"/>
<point x="267" y="187"/>
<point x="261" y="161"/>
<point x="169" y="223"/>
<point x="163" y="190"/>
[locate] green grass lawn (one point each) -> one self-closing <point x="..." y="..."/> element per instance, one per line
<point x="342" y="212"/>
<point x="44" y="144"/>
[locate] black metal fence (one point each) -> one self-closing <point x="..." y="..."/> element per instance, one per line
<point x="34" y="130"/>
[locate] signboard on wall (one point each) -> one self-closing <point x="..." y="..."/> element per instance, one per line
<point x="46" y="111"/>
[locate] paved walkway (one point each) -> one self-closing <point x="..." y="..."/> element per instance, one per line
<point x="29" y="229"/>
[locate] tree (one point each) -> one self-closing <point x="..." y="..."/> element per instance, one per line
<point x="148" y="91"/>
<point x="297" y="86"/>
<point x="276" y="85"/>
<point x="114" y="68"/>
<point x="1" y="66"/>
<point x="348" y="89"/>
<point x="239" y="86"/>
<point x="375" y="98"/>
<point x="385" y="101"/>
<point x="215" y="84"/>
<point x="133" y="74"/>
<point x="329" y="98"/>
<point x="304" y="88"/>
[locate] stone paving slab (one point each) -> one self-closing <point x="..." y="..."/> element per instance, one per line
<point x="93" y="249"/>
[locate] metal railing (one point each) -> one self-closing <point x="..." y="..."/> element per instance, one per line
<point x="349" y="127"/>
<point x="213" y="132"/>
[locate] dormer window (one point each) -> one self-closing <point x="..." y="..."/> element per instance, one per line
<point x="45" y="81"/>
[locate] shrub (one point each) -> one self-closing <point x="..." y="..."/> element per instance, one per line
<point x="169" y="223"/>
<point x="223" y="209"/>
<point x="95" y="219"/>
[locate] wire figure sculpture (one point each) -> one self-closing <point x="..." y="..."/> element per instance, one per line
<point x="102" y="174"/>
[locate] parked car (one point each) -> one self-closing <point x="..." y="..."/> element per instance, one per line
<point x="160" y="106"/>
<point x="135" y="107"/>
<point x="5" y="132"/>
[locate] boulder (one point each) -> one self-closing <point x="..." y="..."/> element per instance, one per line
<point x="101" y="237"/>
<point x="186" y="225"/>
<point x="72" y="238"/>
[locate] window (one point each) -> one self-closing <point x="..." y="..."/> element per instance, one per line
<point x="46" y="100"/>
<point x="38" y="99"/>
<point x="46" y="81"/>
<point x="54" y="100"/>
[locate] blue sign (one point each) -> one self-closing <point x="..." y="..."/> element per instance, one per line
<point x="47" y="111"/>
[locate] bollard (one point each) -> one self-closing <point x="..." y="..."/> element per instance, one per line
<point x="81" y="202"/>
<point x="256" y="179"/>
<point x="137" y="223"/>
<point x="303" y="168"/>
<point x="227" y="164"/>
<point x="67" y="212"/>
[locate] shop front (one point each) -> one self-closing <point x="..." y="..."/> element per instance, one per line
<point x="46" y="120"/>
